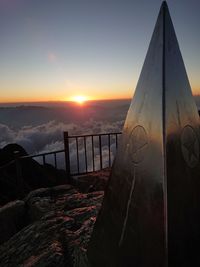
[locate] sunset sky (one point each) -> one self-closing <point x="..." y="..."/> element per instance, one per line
<point x="57" y="49"/>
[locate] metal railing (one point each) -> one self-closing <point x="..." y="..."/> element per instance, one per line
<point x="89" y="153"/>
<point x="44" y="156"/>
<point x="81" y="154"/>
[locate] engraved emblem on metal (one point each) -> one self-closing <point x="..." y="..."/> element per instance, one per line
<point x="138" y="144"/>
<point x="190" y="146"/>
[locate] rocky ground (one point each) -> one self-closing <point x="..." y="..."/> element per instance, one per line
<point x="51" y="226"/>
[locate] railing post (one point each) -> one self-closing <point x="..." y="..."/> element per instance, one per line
<point x="67" y="156"/>
<point x="100" y="153"/>
<point x="93" y="163"/>
<point x="109" y="156"/>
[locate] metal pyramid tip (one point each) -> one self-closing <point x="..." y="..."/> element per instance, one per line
<point x="164" y="4"/>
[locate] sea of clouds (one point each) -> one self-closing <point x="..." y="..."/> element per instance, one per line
<point x="48" y="136"/>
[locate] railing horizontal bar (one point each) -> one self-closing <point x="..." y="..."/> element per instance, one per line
<point x="42" y="154"/>
<point x="89" y="135"/>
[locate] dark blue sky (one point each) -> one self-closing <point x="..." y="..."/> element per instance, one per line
<point x="55" y="49"/>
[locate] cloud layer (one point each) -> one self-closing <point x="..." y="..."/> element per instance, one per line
<point x="49" y="137"/>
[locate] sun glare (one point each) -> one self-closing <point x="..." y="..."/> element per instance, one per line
<point x="79" y="99"/>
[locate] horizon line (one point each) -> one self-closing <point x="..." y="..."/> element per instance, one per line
<point x="63" y="101"/>
<point x="71" y="101"/>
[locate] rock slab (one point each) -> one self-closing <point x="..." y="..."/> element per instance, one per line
<point x="61" y="223"/>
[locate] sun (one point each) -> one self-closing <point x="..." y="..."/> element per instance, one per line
<point x="80" y="99"/>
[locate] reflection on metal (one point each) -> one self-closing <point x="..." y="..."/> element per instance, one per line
<point x="139" y="141"/>
<point x="190" y="146"/>
<point x="151" y="211"/>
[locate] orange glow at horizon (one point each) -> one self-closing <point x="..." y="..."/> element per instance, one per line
<point x="60" y="99"/>
<point x="88" y="95"/>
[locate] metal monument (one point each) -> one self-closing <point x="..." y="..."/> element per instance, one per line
<point x="150" y="216"/>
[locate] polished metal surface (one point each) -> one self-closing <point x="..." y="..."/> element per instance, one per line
<point x="150" y="215"/>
